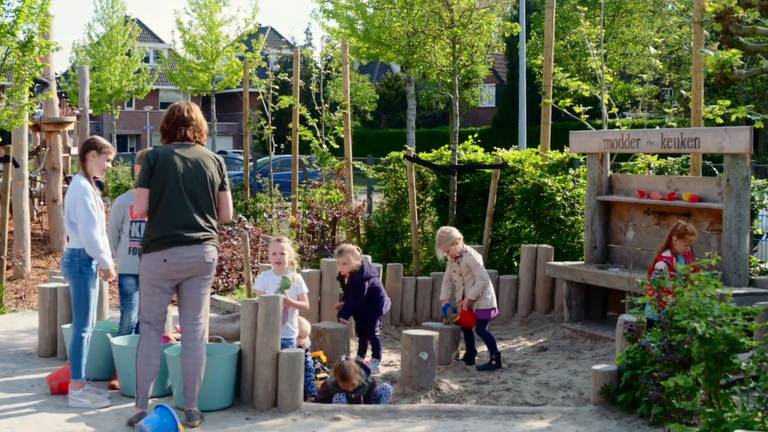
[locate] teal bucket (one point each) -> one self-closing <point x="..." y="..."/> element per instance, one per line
<point x="218" y="388"/>
<point x="162" y="419"/>
<point x="99" y="365"/>
<point x="124" y="352"/>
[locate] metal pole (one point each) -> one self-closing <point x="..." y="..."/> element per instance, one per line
<point x="522" y="87"/>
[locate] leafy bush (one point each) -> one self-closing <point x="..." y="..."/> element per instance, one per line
<point x="685" y="370"/>
<point x="652" y="164"/>
<point x="119" y="180"/>
<point x="540" y="200"/>
<point x="229" y="269"/>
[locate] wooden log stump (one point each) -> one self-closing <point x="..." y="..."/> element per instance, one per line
<point x="493" y="275"/>
<point x="558" y="306"/>
<point x="63" y="316"/>
<point x="761" y="334"/>
<point x="290" y="380"/>
<point x="418" y="359"/>
<point x="527" y="280"/>
<point x="625" y="321"/>
<point x="544" y="290"/>
<point x="574" y="301"/>
<point x="268" y="324"/>
<point x="423" y="299"/>
<point x="394" y="287"/>
<point x="312" y="279"/>
<point x="264" y="267"/>
<point x="408" y="304"/>
<point x="102" y="305"/>
<point x="52" y="273"/>
<point x="437" y="305"/>
<point x="249" y="310"/>
<point x="47" y="319"/>
<point x="605" y="378"/>
<point x="329" y="289"/>
<point x="58" y="279"/>
<point x="331" y="338"/>
<point x="171" y="319"/>
<point x="448" y="341"/>
<point x="507" y="297"/>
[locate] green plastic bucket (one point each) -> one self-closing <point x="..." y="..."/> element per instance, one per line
<point x="124" y="353"/>
<point x="218" y="388"/>
<point x="99" y="365"/>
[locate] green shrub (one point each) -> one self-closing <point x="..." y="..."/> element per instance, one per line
<point x="119" y="180"/>
<point x="540" y="200"/>
<point x="686" y="371"/>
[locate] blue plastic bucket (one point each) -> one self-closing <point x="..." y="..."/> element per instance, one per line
<point x="218" y="388"/>
<point x="124" y="353"/>
<point x="99" y="365"/>
<point x="162" y="419"/>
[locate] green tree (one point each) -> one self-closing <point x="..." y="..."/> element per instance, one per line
<point x="23" y="25"/>
<point x="115" y="61"/>
<point x="211" y="46"/>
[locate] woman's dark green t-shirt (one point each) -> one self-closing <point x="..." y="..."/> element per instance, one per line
<point x="183" y="181"/>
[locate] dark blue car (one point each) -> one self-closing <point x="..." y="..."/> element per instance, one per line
<point x="281" y="169"/>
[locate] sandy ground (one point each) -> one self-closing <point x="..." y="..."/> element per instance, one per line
<point x="549" y="386"/>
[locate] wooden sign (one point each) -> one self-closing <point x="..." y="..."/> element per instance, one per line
<point x="723" y="140"/>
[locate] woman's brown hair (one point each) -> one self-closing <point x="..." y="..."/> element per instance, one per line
<point x="347" y="371"/>
<point x="184" y="122"/>
<point x="91" y="144"/>
<point x="678" y="230"/>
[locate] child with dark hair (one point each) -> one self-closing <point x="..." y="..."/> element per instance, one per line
<point x="352" y="383"/>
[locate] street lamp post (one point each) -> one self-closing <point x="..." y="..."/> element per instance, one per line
<point x="148" y="127"/>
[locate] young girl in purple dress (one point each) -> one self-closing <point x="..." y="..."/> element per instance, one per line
<point x="466" y="283"/>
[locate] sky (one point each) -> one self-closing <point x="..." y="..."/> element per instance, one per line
<point x="289" y="17"/>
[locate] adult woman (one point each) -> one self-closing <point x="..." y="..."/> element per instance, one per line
<point x="184" y="192"/>
<point x="87" y="251"/>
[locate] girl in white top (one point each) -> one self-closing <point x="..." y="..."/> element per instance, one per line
<point x="87" y="251"/>
<point x="284" y="279"/>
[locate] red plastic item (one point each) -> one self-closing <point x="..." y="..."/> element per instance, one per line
<point x="692" y="197"/>
<point x="467" y="319"/>
<point x="641" y="194"/>
<point x="672" y="196"/>
<point x="58" y="380"/>
<point x="655" y="196"/>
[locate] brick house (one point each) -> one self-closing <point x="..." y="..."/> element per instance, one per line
<point x="490" y="95"/>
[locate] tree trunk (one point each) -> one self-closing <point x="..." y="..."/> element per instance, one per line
<point x="54" y="202"/>
<point x="453" y="190"/>
<point x="603" y="91"/>
<point x="114" y="129"/>
<point x="410" y="123"/>
<point x="22" y="243"/>
<point x="214" y="123"/>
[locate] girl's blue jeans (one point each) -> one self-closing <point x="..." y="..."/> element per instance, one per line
<point x="80" y="270"/>
<point x="128" y="286"/>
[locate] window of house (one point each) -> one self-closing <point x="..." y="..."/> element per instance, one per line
<point x="169" y="97"/>
<point x="488" y="96"/>
<point x="128" y="143"/>
<point x="130" y="104"/>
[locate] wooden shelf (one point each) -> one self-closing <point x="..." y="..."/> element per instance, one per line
<point x="676" y="203"/>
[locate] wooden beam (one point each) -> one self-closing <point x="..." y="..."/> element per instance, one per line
<point x="549" y="62"/>
<point x="411" y="174"/>
<point x="722" y="140"/>
<point x="295" y="134"/>
<point x="736" y="222"/>
<point x="246" y="127"/>
<point x="596" y="212"/>
<point x="347" y="112"/>
<point x="697" y="79"/>
<point x="5" y="207"/>
<point x="489" y="211"/>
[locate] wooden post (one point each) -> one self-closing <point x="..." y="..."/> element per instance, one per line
<point x="624" y="321"/>
<point x="697" y="78"/>
<point x="84" y="128"/>
<point x="418" y="359"/>
<point x="312" y="279"/>
<point x="262" y="267"/>
<point x="295" y="133"/>
<point x="5" y="207"/>
<point x="249" y="309"/>
<point x="290" y="380"/>
<point x="329" y="289"/>
<point x="347" y="113"/>
<point x="246" y="127"/>
<point x="245" y="247"/>
<point x="268" y="324"/>
<point x="53" y="273"/>
<point x="544" y="284"/>
<point x="22" y="241"/>
<point x="596" y="212"/>
<point x="437" y="305"/>
<point x="489" y="211"/>
<point x="549" y="61"/>
<point x="605" y="378"/>
<point x="47" y="319"/>
<point x="527" y="280"/>
<point x="394" y="287"/>
<point x="574" y="301"/>
<point x="411" y="174"/>
<point x="423" y="299"/>
<point x="63" y="316"/>
<point x="558" y="308"/>
<point x="66" y="153"/>
<point x="447" y="341"/>
<point x="408" y="304"/>
<point x="102" y="306"/>
<point x="331" y="338"/>
<point x="508" y="287"/>
<point x="736" y="221"/>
